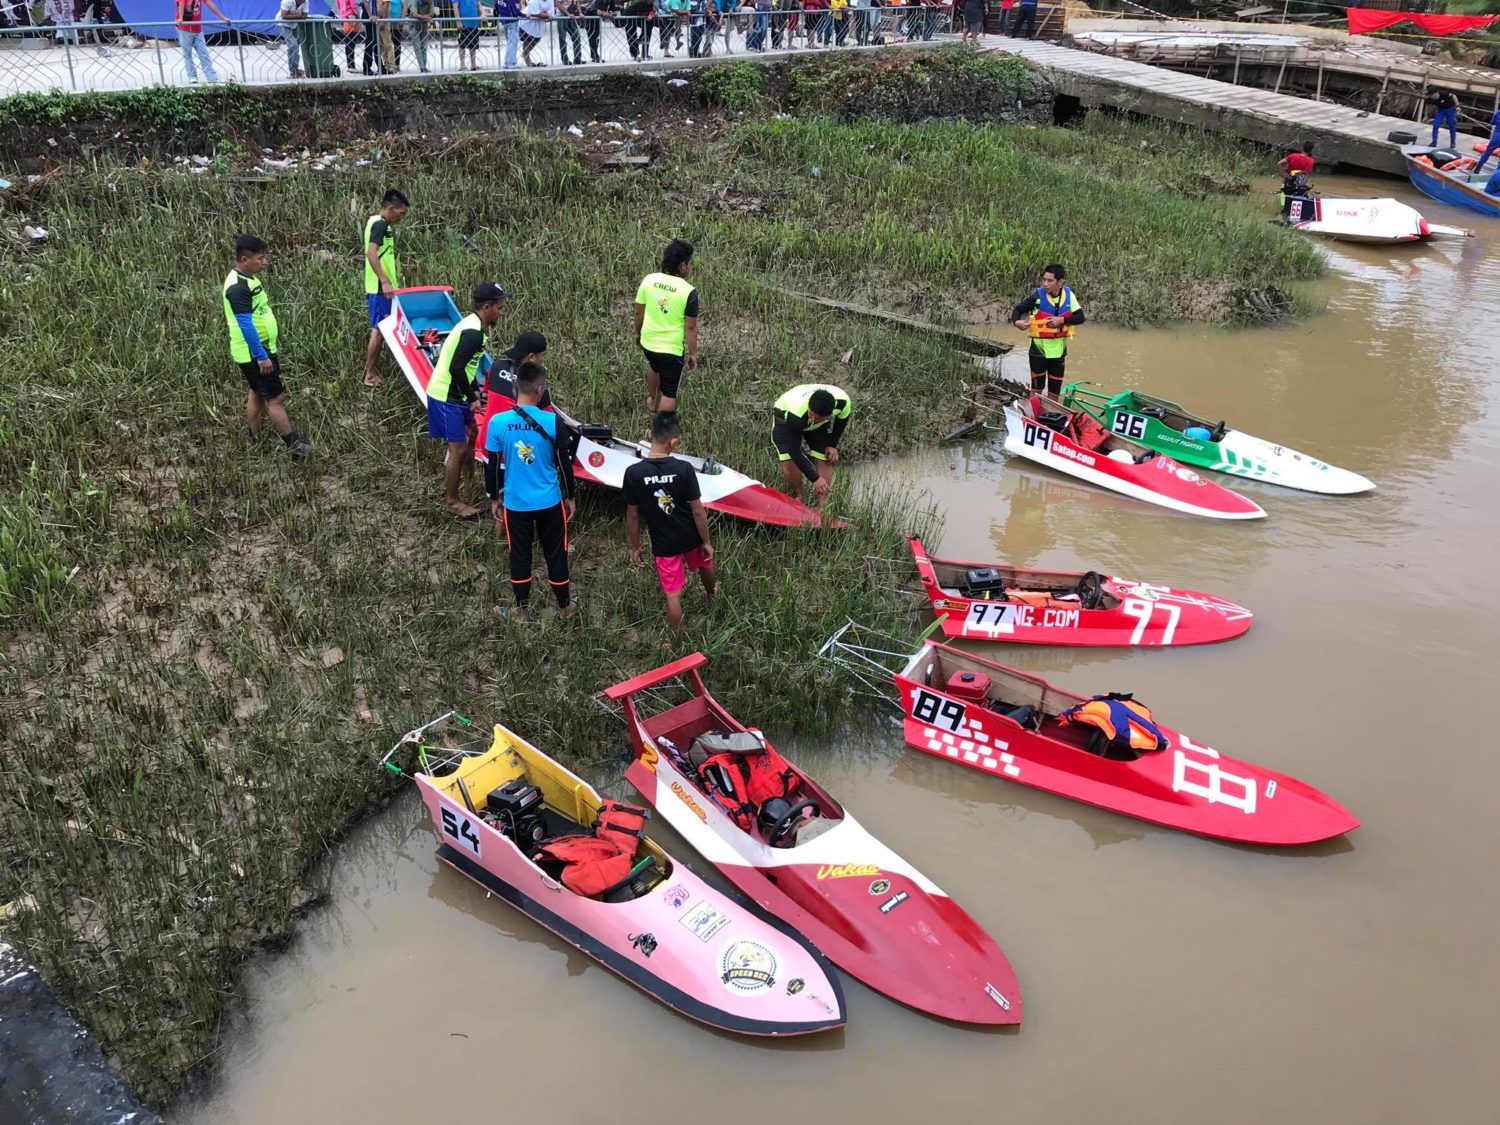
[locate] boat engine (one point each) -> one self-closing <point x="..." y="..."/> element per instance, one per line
<point x="985" y="582"/>
<point x="516" y="809"/>
<point x="1053" y="420"/>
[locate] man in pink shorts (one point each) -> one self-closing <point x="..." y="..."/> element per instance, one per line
<point x="664" y="489"/>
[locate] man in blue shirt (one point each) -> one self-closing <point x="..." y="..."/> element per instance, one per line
<point x="1025" y="20"/>
<point x="529" y="477"/>
<point x="1494" y="142"/>
<point x="468" y="33"/>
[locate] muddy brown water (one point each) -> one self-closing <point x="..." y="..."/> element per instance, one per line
<point x="1167" y="978"/>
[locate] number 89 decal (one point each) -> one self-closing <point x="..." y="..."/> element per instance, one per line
<point x="459" y="828"/>
<point x="946" y="714"/>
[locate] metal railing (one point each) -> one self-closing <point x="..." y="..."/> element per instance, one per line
<point x="96" y="57"/>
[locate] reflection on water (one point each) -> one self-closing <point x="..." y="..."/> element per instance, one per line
<point x="1183" y="980"/>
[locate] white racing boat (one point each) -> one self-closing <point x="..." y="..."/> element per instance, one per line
<point x="1366" y="220"/>
<point x="421" y="316"/>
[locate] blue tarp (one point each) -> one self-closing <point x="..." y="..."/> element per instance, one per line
<point x="155" y="18"/>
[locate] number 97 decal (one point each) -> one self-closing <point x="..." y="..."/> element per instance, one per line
<point x="459" y="828"/>
<point x="1142" y="612"/>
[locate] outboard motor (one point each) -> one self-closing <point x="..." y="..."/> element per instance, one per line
<point x="986" y="582"/>
<point x="516" y="809"/>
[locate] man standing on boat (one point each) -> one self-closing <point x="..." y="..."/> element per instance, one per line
<point x="1295" y="167"/>
<point x="529" y="478"/>
<point x="664" y="490"/>
<point x="813" y="414"/>
<point x="666" y="325"/>
<point x="1445" y="113"/>
<point x="1493" y="144"/>
<point x="380" y="272"/>
<point x="252" y="343"/>
<point x="1049" y="316"/>
<point x="453" y="388"/>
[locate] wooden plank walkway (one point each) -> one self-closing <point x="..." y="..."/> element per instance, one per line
<point x="1348" y="136"/>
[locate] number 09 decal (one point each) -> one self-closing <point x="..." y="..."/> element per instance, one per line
<point x="946" y="714"/>
<point x="460" y="829"/>
<point x="1037" y="436"/>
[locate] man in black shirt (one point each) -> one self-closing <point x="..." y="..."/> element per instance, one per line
<point x="665" y="489"/>
<point x="1445" y="112"/>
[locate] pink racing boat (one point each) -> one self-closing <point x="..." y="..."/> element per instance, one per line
<point x="1011" y="725"/>
<point x="806" y="860"/>
<point x="989" y="602"/>
<point x="1043" y="430"/>
<point x="421" y="316"/>
<point x="535" y="835"/>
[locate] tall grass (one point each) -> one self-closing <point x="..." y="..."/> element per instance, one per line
<point x="208" y="644"/>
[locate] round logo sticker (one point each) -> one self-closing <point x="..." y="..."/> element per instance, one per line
<point x="596" y="459"/>
<point x="880" y="886"/>
<point x="747" y="966"/>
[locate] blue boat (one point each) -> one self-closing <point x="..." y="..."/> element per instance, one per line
<point x="1458" y="187"/>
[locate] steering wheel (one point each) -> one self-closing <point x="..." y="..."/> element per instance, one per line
<point x="788" y="819"/>
<point x="1091" y="590"/>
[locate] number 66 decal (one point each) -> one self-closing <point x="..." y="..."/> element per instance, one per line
<point x="460" y="828"/>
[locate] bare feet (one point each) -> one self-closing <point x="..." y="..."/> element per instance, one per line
<point x="566" y="611"/>
<point x="463" y="511"/>
<point x="512" y="613"/>
<point x="373" y="380"/>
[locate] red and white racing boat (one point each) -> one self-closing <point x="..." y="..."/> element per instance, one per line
<point x="806" y="860"/>
<point x="1002" y="721"/>
<point x="538" y="837"/>
<point x="1070" y="441"/>
<point x="985" y="602"/>
<point x="421" y="316"/>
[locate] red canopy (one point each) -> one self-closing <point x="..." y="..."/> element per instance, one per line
<point x="1362" y="20"/>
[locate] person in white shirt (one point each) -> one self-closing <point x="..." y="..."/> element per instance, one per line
<point x="291" y="12"/>
<point x="538" y="14"/>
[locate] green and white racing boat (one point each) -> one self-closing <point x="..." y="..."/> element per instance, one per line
<point x="1162" y="425"/>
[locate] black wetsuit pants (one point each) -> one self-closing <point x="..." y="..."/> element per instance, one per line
<point x="549" y="525"/>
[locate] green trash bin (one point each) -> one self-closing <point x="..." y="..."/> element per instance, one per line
<point x="316" y="37"/>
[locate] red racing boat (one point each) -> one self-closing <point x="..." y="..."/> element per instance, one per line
<point x="784" y="841"/>
<point x="984" y="602"/>
<point x="421" y="316"/>
<point x="1047" y="432"/>
<point x="1002" y="721"/>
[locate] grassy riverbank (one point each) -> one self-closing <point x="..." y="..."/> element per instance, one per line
<point x="207" y="645"/>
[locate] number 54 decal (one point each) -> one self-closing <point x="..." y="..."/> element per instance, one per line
<point x="459" y="828"/>
<point x="1142" y="611"/>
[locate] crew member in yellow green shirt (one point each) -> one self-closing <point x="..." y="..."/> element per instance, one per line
<point x="380" y="272"/>
<point x="666" y="325"/>
<point x="252" y="343"/>
<point x="1048" y="315"/>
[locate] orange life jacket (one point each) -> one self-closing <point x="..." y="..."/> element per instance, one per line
<point x="622" y="825"/>
<point x="590" y="865"/>
<point x="1126" y="723"/>
<point x="1047" y="307"/>
<point x="739" y="783"/>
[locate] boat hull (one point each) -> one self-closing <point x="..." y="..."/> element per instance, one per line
<point x="867" y="909"/>
<point x="1445" y="187"/>
<point x="678" y="942"/>
<point x="1236" y="454"/>
<point x="1160" y="480"/>
<point x="416" y="309"/>
<point x="1147" y="616"/>
<point x="1188" y="786"/>
<point x="1387" y="221"/>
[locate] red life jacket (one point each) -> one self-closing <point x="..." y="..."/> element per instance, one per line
<point x="768" y="775"/>
<point x="590" y="865"/>
<point x="1086" y="432"/>
<point x="622" y="825"/>
<point x="723" y="779"/>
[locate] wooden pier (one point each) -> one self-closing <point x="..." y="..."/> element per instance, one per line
<point x="1347" y="136"/>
